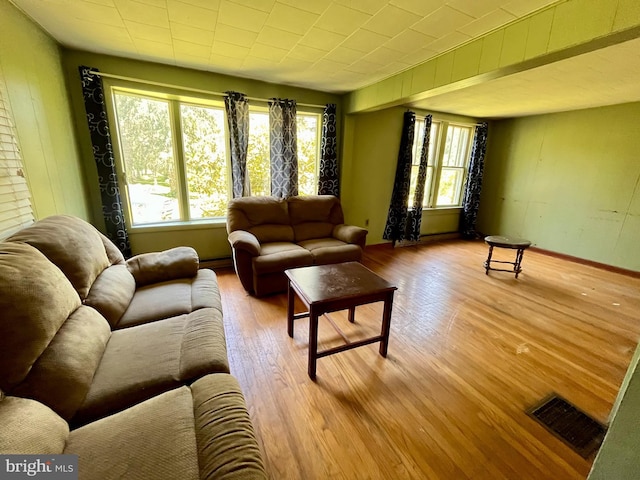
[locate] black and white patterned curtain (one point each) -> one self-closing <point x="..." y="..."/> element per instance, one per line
<point x="328" y="178"/>
<point x="471" y="199"/>
<point x="283" y="147"/>
<point x="112" y="210"/>
<point x="237" y="107"/>
<point x="414" y="215"/>
<point x="397" y="217"/>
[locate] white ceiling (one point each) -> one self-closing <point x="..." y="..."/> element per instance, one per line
<point x="336" y="45"/>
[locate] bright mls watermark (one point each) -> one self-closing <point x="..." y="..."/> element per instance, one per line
<point x="52" y="467"/>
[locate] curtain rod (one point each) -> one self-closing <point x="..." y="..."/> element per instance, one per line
<point x="188" y="89"/>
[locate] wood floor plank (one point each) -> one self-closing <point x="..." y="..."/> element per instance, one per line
<point x="469" y="353"/>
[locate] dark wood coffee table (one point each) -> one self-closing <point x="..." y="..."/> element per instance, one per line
<point x="330" y="288"/>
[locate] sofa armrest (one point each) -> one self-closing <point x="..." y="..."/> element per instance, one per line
<point x="179" y="262"/>
<point x="243" y="240"/>
<point x="350" y="234"/>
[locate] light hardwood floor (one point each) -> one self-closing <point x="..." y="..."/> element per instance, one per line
<point x="468" y="354"/>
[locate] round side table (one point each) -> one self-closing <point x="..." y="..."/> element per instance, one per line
<point x="518" y="244"/>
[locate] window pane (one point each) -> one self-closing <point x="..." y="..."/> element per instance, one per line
<point x="144" y="132"/>
<point x="450" y="186"/>
<point x="456" y="145"/>
<point x="258" y="154"/>
<point x="307" y="131"/>
<point x="204" y="145"/>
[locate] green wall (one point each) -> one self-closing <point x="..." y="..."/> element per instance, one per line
<point x="568" y="182"/>
<point x="370" y="151"/>
<point x="209" y="239"/>
<point x="31" y="63"/>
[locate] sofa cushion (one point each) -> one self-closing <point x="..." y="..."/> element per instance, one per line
<point x="112" y="292"/>
<point x="278" y="256"/>
<point x="30" y="428"/>
<point x="62" y="375"/>
<point x="246" y="212"/>
<point x="74" y="245"/>
<point x="329" y="250"/>
<point x="227" y="447"/>
<point x="186" y="295"/>
<point x="307" y="230"/>
<point x="36" y="300"/>
<point x="315" y="208"/>
<point x="272" y="233"/>
<point x="155" y="439"/>
<point x="142" y="361"/>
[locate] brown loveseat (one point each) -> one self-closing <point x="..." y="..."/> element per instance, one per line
<point x="269" y="235"/>
<point x="86" y="335"/>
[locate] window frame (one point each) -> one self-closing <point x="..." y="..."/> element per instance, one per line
<point x="431" y="189"/>
<point x="175" y="98"/>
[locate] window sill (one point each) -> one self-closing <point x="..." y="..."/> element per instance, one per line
<point x="442" y="210"/>
<point x="180" y="226"/>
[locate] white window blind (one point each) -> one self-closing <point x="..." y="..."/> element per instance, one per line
<point x="15" y="204"/>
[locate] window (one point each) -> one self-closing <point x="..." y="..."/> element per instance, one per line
<point x="174" y="159"/>
<point x="447" y="163"/>
<point x="15" y="206"/>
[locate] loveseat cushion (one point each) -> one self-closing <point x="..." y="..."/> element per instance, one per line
<point x="72" y="244"/>
<point x="156" y="267"/>
<point x="142" y="361"/>
<point x="278" y="256"/>
<point x="30" y="428"/>
<point x="36" y="300"/>
<point x="168" y="299"/>
<point x="330" y="250"/>
<point x="315" y="208"/>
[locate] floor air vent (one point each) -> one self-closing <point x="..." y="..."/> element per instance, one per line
<point x="578" y="430"/>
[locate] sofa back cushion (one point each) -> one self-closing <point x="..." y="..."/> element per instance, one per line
<point x="266" y="217"/>
<point x="72" y="244"/>
<point x="314" y="216"/>
<point x="36" y="300"/>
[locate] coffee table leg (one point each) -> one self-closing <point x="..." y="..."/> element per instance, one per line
<point x="487" y="264"/>
<point x="289" y="308"/>
<point x="352" y="314"/>
<point x="313" y="342"/>
<point x="386" y="324"/>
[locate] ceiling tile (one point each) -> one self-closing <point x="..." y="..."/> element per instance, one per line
<point x="191" y="34"/>
<point x="449" y="41"/>
<point x="158" y="50"/>
<point x="234" y="35"/>
<point x="420" y="7"/>
<point x="107" y="3"/>
<point x="342" y="20"/>
<point x="321" y="39"/>
<point x="241" y="17"/>
<point x="485" y="24"/>
<point x="364" y="40"/>
<point x="303" y="52"/>
<point x="191" y="15"/>
<point x="327" y="66"/>
<point x="475" y="9"/>
<point x="344" y="55"/>
<point x="367" y="6"/>
<point x="313" y="6"/>
<point x="152" y="33"/>
<point x="278" y="38"/>
<point x="521" y="8"/>
<point x="391" y="20"/>
<point x="419" y="56"/>
<point x="442" y="21"/>
<point x="363" y="66"/>
<point x="229" y="64"/>
<point x="264" y="5"/>
<point x="291" y="19"/>
<point x="408" y="41"/>
<point x="193" y="49"/>
<point x="229" y="50"/>
<point x="139" y="12"/>
<point x="209" y="4"/>
<point x="267" y="52"/>
<point x="382" y="55"/>
<point x="94" y="13"/>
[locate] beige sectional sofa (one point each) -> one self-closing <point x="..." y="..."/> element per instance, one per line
<point x="269" y="235"/>
<point x="130" y="354"/>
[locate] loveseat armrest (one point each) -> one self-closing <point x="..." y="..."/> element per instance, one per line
<point x="350" y="234"/>
<point x="178" y="262"/>
<point x="243" y="240"/>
